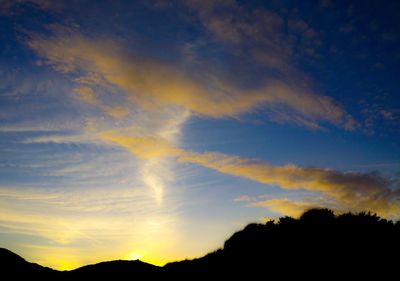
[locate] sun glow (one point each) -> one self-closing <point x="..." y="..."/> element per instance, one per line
<point x="134" y="256"/>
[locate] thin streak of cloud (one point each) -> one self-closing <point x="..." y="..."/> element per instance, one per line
<point x="117" y="112"/>
<point x="350" y="190"/>
<point x="34" y="126"/>
<point x="60" y="139"/>
<point x="285" y="206"/>
<point x="242" y="198"/>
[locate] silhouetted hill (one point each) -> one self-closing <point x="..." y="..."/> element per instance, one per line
<point x="357" y="245"/>
<point x="13" y="265"/>
<point x="115" y="269"/>
<point x="318" y="245"/>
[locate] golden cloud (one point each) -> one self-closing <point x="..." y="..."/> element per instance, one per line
<point x="141" y="146"/>
<point x="153" y="84"/>
<point x="353" y="191"/>
<point x="350" y="190"/>
<point x="285" y="206"/>
<point x="117" y="112"/>
<point x="86" y="95"/>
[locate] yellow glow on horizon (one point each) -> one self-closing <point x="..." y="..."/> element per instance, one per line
<point x="134" y="256"/>
<point x="87" y="234"/>
<point x="157" y="262"/>
<point x="65" y="265"/>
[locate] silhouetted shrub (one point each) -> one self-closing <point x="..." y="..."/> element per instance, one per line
<point x="318" y="216"/>
<point x="318" y="245"/>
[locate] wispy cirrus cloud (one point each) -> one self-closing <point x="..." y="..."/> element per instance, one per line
<point x="273" y="41"/>
<point x="10" y="7"/>
<point x="285" y="206"/>
<point x="60" y="139"/>
<point x="349" y="190"/>
<point x="85" y="94"/>
<point x="152" y="84"/>
<point x="259" y="35"/>
<point x="116" y="112"/>
<point x="164" y="97"/>
<point x="92" y="130"/>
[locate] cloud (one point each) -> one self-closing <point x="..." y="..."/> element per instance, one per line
<point x="106" y="222"/>
<point x="378" y="112"/>
<point x="242" y="198"/>
<point x="302" y="27"/>
<point x="258" y="33"/>
<point x="152" y="84"/>
<point x="355" y="191"/>
<point x="259" y="36"/>
<point x="285" y="206"/>
<point x="32" y="126"/>
<point x="10" y="7"/>
<point x="85" y="94"/>
<point x="152" y="146"/>
<point x="349" y="190"/>
<point x="141" y="146"/>
<point x="390" y="114"/>
<point x="117" y="112"/>
<point x="60" y="139"/>
<point x="26" y="128"/>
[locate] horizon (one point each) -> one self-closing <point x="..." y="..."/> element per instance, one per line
<point x="318" y="216"/>
<point x="154" y="130"/>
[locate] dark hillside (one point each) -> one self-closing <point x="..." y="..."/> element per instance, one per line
<point x="317" y="245"/>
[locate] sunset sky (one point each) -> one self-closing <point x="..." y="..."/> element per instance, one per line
<point x="155" y="129"/>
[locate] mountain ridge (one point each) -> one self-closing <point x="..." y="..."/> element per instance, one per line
<point x="357" y="244"/>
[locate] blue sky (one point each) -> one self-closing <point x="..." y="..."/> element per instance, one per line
<point x="155" y="129"/>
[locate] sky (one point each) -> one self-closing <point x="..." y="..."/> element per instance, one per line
<point x="153" y="130"/>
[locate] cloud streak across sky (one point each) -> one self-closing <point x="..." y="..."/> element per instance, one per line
<point x="139" y="135"/>
<point x="349" y="191"/>
<point x="152" y="84"/>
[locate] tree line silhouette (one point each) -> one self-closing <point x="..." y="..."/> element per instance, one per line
<point x="319" y="245"/>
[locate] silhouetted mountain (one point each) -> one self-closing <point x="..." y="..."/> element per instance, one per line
<point x="318" y="245"/>
<point x="13" y="265"/>
<point x="115" y="269"/>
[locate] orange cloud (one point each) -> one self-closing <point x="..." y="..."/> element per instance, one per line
<point x="153" y="84"/>
<point x="141" y="146"/>
<point x="355" y="191"/>
<point x="86" y="95"/>
<point x="242" y="198"/>
<point x="154" y="151"/>
<point x="285" y="206"/>
<point x="350" y="190"/>
<point x="117" y="112"/>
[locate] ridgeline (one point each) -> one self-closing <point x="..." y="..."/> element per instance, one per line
<point x="318" y="245"/>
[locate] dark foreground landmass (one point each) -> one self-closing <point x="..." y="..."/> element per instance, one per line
<point x="318" y="245"/>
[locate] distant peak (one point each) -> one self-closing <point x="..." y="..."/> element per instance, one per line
<point x="7" y="256"/>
